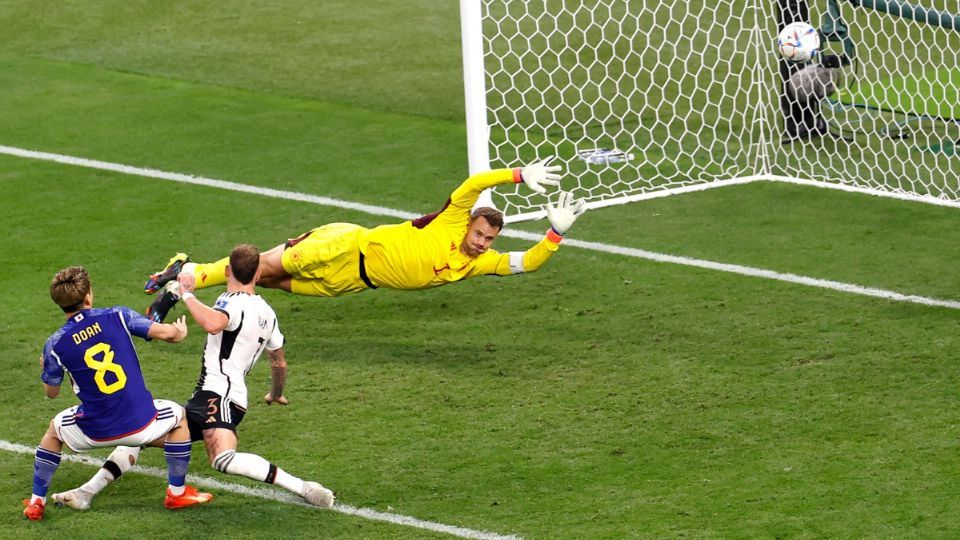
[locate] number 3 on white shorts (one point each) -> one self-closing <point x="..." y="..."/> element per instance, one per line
<point x="103" y="366"/>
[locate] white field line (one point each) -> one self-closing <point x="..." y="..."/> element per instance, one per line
<point x="201" y="181"/>
<point x="903" y="196"/>
<point x="390" y="212"/>
<point x="280" y="496"/>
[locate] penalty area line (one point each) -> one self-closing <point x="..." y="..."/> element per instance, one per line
<point x="281" y="496"/>
<point x="391" y="212"/>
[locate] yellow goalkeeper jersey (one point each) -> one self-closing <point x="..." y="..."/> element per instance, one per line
<point x="425" y="252"/>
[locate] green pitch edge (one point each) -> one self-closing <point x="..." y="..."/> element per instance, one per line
<point x="931" y="93"/>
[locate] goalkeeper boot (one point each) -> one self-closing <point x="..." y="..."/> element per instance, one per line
<point x="77" y="498"/>
<point x="169" y="272"/>
<point x="189" y="497"/>
<point x="33" y="510"/>
<point x="317" y="495"/>
<point x="158" y="310"/>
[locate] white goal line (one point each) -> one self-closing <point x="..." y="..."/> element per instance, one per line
<point x="280" y="496"/>
<point x="390" y="212"/>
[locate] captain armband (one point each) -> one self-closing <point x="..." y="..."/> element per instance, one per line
<point x="516" y="262"/>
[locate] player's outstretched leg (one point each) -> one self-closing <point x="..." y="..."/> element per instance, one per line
<point x="117" y="463"/>
<point x="169" y="273"/>
<point x="162" y="305"/>
<point x="257" y="468"/>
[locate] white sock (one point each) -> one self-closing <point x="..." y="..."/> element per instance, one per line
<point x="289" y="481"/>
<point x="124" y="457"/>
<point x="189" y="268"/>
<point x="256" y="468"/>
<point x="99" y="481"/>
<point x="250" y="465"/>
<point x="176" y="490"/>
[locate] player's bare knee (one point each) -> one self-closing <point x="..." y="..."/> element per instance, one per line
<point x="178" y="431"/>
<point x="51" y="433"/>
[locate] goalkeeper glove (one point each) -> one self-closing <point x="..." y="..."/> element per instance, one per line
<point x="565" y="212"/>
<point x="536" y="174"/>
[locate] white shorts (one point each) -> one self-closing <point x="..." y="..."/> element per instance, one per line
<point x="79" y="442"/>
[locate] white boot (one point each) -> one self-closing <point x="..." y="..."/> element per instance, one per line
<point x="315" y="494"/>
<point x="75" y="498"/>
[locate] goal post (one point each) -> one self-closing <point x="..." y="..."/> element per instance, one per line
<point x="646" y="98"/>
<point x="474" y="89"/>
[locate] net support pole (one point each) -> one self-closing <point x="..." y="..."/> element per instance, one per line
<point x="474" y="88"/>
<point x="913" y="12"/>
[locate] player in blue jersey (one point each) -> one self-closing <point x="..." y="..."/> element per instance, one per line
<point x="96" y="347"/>
<point x="240" y="326"/>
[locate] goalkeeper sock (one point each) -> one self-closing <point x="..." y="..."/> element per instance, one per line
<point x="209" y="274"/>
<point x="256" y="468"/>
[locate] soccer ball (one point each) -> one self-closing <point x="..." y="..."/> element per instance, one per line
<point x="799" y="42"/>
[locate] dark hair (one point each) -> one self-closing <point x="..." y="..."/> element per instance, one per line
<point x="244" y="261"/>
<point x="493" y="216"/>
<point x="69" y="287"/>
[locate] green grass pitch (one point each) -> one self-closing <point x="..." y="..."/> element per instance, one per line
<point x="602" y="397"/>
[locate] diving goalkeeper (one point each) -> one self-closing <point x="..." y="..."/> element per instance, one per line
<point x="433" y="250"/>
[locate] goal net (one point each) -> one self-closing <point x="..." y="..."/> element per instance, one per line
<point x="645" y="98"/>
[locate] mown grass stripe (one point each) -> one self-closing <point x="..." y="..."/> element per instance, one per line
<point x="390" y="212"/>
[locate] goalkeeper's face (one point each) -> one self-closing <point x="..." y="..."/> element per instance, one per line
<point x="480" y="234"/>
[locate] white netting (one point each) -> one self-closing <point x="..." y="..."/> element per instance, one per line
<point x="896" y="110"/>
<point x="675" y="93"/>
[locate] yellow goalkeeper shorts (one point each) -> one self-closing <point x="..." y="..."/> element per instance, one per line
<point x="325" y="261"/>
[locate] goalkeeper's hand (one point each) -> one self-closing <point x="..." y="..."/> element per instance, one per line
<point x="565" y="212"/>
<point x="538" y="174"/>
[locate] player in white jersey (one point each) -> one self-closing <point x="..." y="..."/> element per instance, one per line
<point x="230" y="354"/>
<point x="240" y="326"/>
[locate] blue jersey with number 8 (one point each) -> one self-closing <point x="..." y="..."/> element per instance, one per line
<point x="96" y="347"/>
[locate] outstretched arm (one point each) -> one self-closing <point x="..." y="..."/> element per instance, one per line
<point x="171" y="333"/>
<point x="535" y="175"/>
<point x="561" y="216"/>
<point x="211" y="320"/>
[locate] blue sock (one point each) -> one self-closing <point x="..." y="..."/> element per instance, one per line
<point x="178" y="461"/>
<point x="44" y="465"/>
